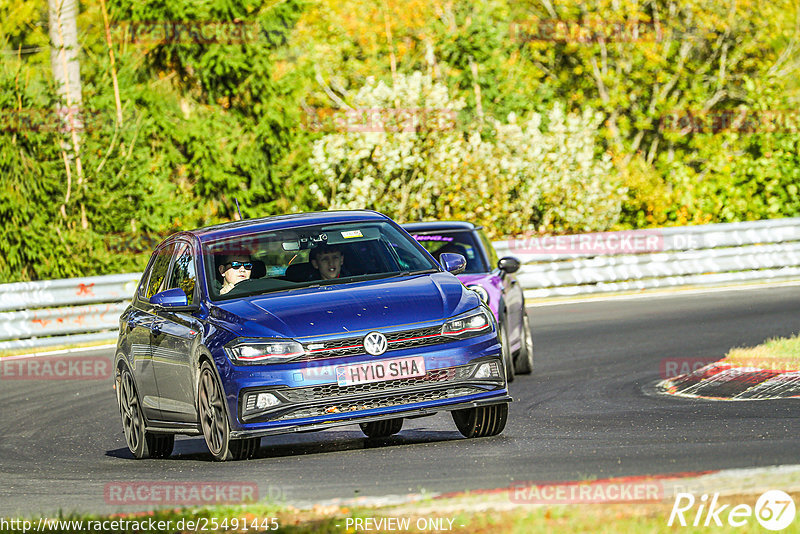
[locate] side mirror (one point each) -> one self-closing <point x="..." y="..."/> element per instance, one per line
<point x="508" y="265"/>
<point x="453" y="263"/>
<point x="171" y="299"/>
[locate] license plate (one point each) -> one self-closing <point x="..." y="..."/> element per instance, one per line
<point x="363" y="373"/>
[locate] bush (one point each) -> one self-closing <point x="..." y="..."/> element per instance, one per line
<point x="539" y="173"/>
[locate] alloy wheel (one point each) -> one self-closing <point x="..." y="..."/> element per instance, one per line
<point x="213" y="418"/>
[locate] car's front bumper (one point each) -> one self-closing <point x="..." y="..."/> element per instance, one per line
<point x="404" y="411"/>
<point x="311" y="399"/>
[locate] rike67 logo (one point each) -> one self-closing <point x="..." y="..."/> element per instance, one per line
<point x="774" y="510"/>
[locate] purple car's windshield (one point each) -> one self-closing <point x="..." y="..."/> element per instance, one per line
<point x="463" y="243"/>
<point x="309" y="255"/>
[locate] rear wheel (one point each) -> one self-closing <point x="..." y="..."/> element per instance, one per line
<point x="382" y="429"/>
<point x="524" y="362"/>
<point x="482" y="421"/>
<point x="507" y="359"/>
<point x="141" y="443"/>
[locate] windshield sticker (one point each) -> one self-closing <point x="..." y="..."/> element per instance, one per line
<point x="432" y="237"/>
<point x="351" y="234"/>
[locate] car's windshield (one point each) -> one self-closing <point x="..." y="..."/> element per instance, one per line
<point x="458" y="242"/>
<point x="298" y="257"/>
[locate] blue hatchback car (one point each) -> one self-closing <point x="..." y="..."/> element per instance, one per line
<point x="302" y="322"/>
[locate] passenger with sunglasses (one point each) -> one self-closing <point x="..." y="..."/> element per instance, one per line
<point x="234" y="269"/>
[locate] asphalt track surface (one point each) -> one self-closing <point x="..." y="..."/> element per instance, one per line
<point x="584" y="413"/>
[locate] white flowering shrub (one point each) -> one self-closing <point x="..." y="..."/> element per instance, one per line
<point x="398" y="151"/>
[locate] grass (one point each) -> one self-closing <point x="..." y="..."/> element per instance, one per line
<point x="779" y="354"/>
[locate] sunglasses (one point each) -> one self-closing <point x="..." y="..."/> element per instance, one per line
<point x="236" y="264"/>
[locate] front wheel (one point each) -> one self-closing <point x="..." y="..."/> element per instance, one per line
<point x="382" y="429"/>
<point x="524" y="362"/>
<point x="214" y="421"/>
<point x="482" y="421"/>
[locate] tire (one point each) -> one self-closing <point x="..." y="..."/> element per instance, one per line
<point x="214" y="418"/>
<point x="244" y="449"/>
<point x="382" y="429"/>
<point x="141" y="443"/>
<point x="482" y="421"/>
<point x="160" y="445"/>
<point x="508" y="361"/>
<point x="523" y="365"/>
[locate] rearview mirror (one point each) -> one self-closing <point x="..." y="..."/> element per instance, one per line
<point x="508" y="265"/>
<point x="453" y="263"/>
<point x="172" y="299"/>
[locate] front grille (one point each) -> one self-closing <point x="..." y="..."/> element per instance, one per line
<point x="418" y="337"/>
<point x="382" y="402"/>
<point x="333" y="391"/>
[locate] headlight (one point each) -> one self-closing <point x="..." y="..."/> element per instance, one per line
<point x="259" y="352"/>
<point x="482" y="293"/>
<point x="467" y="325"/>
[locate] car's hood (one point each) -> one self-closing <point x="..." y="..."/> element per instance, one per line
<point x="338" y="309"/>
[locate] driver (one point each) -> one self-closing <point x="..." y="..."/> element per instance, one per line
<point x="327" y="260"/>
<point x="234" y="269"/>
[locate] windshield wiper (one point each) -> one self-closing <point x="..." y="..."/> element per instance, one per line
<point x="420" y="271"/>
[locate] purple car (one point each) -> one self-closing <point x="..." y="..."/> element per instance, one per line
<point x="490" y="278"/>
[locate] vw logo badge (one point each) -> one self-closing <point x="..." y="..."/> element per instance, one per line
<point x="375" y="343"/>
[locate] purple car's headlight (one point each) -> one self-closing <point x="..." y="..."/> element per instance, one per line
<point x="266" y="351"/>
<point x="467" y="325"/>
<point x="482" y="293"/>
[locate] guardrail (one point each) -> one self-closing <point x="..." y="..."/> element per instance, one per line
<point x="54" y="312"/>
<point x="666" y="257"/>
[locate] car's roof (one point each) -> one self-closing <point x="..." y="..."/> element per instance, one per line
<point x="279" y="222"/>
<point x="439" y="226"/>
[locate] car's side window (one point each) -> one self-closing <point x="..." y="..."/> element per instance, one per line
<point x="487" y="244"/>
<point x="183" y="272"/>
<point x="159" y="270"/>
<point x="141" y="290"/>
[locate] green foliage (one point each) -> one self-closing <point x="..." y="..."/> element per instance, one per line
<point x="202" y="123"/>
<point x="23" y="30"/>
<point x="567" y="119"/>
<point x="524" y="175"/>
